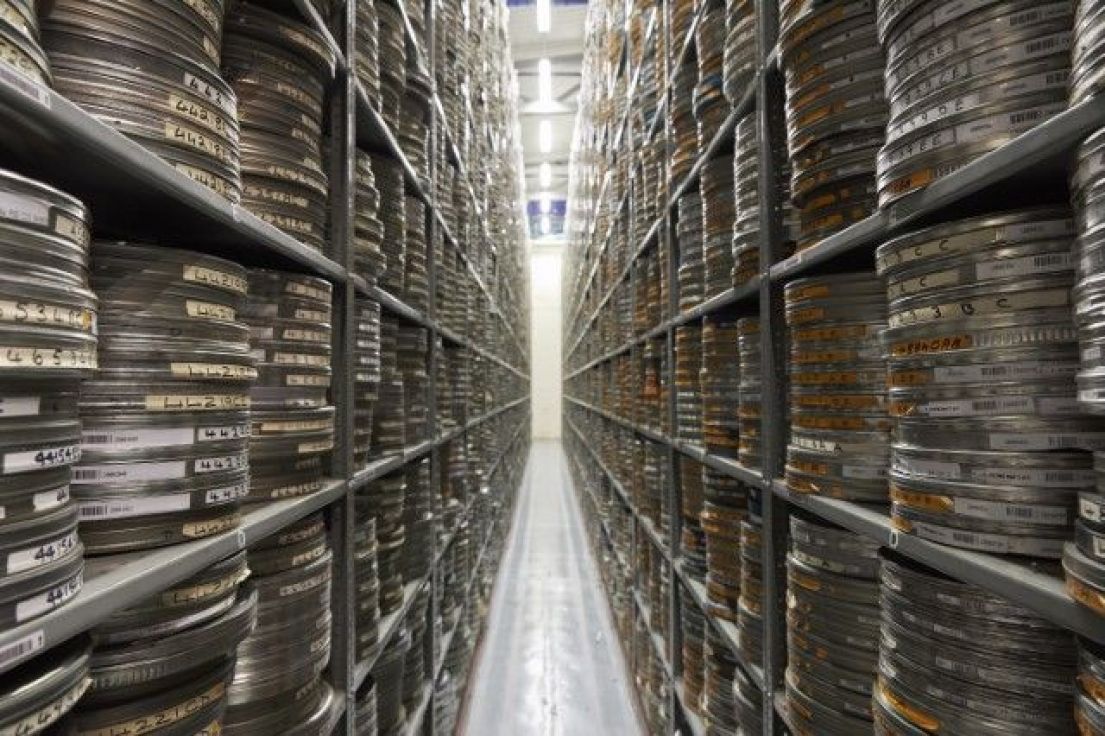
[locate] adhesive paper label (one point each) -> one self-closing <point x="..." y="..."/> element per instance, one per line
<point x="24" y="357"/>
<point x="42" y="554"/>
<point x="19" y="406"/>
<point x="21" y="649"/>
<point x="218" y="279"/>
<point x="46" y="500"/>
<point x="20" y="462"/>
<point x="125" y="508"/>
<point x="49" y="600"/>
<point x="51" y="713"/>
<point x="196" y="402"/>
<point x="208" y="310"/>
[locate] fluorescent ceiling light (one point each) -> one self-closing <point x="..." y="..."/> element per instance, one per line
<point x="544" y="135"/>
<point x="546" y="225"/>
<point x="544" y="81"/>
<point x="545" y="174"/>
<point x="546" y="202"/>
<point x="544" y="16"/>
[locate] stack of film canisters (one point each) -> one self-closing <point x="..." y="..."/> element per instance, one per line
<point x="389" y="180"/>
<point x="746" y="196"/>
<point x="168" y="660"/>
<point x="725" y="508"/>
<point x="681" y="120"/>
<point x="48" y="326"/>
<point x="720" y="384"/>
<point x="1089" y="696"/>
<point x="750" y="622"/>
<point x="839" y="428"/>
<point x="414" y="130"/>
<point x="368" y="229"/>
<point x="688" y="396"/>
<point x="719" y="697"/>
<point x="366" y="708"/>
<point x="693" y="654"/>
<point x="710" y="104"/>
<point x="740" y="49"/>
<point x="414" y="666"/>
<point x="418" y="520"/>
<point x="692" y="266"/>
<point x="1084" y="559"/>
<point x="279" y="69"/>
<point x="964" y="80"/>
<point x="367" y="60"/>
<point x="366" y="572"/>
<point x="166" y="420"/>
<point x="389" y="425"/>
<point x="718" y="213"/>
<point x="836" y="112"/>
<point x="954" y="658"/>
<point x="750" y="452"/>
<point x="693" y="537"/>
<point x="151" y="71"/>
<point x="383" y="500"/>
<point x="392" y="49"/>
<point x="41" y="691"/>
<point x="1088" y="73"/>
<point x="278" y="685"/>
<point x="413" y="345"/>
<point x="388" y="674"/>
<point x="990" y="446"/>
<point x="749" y="704"/>
<point x="366" y="377"/>
<point x="22" y="36"/>
<point x="416" y="285"/>
<point x="832" y="628"/>
<point x="292" y="419"/>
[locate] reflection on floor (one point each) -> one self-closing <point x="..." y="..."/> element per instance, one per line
<point x="550" y="661"/>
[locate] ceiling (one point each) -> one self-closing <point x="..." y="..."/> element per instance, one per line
<point x="563" y="47"/>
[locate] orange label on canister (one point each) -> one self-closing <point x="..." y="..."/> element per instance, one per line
<point x="944" y="344"/>
<point x="910" y="713"/>
<point x="940" y="504"/>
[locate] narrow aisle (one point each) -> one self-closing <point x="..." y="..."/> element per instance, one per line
<point x="550" y="663"/>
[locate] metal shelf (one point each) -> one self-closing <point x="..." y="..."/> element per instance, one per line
<point x="1040" y="592"/>
<point x="694" y="723"/>
<point x="148" y="573"/>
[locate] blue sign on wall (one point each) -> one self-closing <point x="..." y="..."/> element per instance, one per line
<point x="557" y="208"/>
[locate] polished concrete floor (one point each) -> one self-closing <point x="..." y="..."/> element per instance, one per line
<point x="550" y="663"/>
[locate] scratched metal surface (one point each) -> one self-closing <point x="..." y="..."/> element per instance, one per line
<point x="550" y="662"/>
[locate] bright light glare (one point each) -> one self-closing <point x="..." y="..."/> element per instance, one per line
<point x="546" y="225"/>
<point x="544" y="81"/>
<point x="544" y="135"/>
<point x="545" y="174"/>
<point x="546" y="203"/>
<point x="544" y="16"/>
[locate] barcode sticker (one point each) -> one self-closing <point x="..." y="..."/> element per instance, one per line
<point x="22" y="648"/>
<point x="123" y="508"/>
<point x="129" y="472"/>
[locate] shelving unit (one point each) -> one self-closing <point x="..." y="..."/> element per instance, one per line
<point x="133" y="194"/>
<point x="1047" y="148"/>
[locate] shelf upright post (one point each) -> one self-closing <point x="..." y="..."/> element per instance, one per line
<point x="434" y="236"/>
<point x="342" y="155"/>
<point x="769" y="96"/>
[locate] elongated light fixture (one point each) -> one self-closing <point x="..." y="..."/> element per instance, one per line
<point x="544" y="16"/>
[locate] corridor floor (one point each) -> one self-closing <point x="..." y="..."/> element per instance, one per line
<point x="550" y="663"/>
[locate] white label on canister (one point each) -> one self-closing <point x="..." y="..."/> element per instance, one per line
<point x="48" y="600"/>
<point x="123" y="508"/>
<point x="1045" y="441"/>
<point x="1044" y="263"/>
<point x="1089" y="510"/>
<point x="1003" y="371"/>
<point x="41" y="554"/>
<point x="927" y="468"/>
<point x="863" y="472"/>
<point x="135" y="439"/>
<point x="227" y="494"/>
<point x="46" y="500"/>
<point x="22" y="208"/>
<point x="998" y="511"/>
<point x="993" y="543"/>
<point x="22" y="648"/>
<point x="222" y="433"/>
<point x="219" y="463"/>
<point x="124" y="472"/>
<point x="974" y="407"/>
<point x="19" y="406"/>
<point x="20" y="462"/>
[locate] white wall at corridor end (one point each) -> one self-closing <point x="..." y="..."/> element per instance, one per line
<point x="545" y="327"/>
